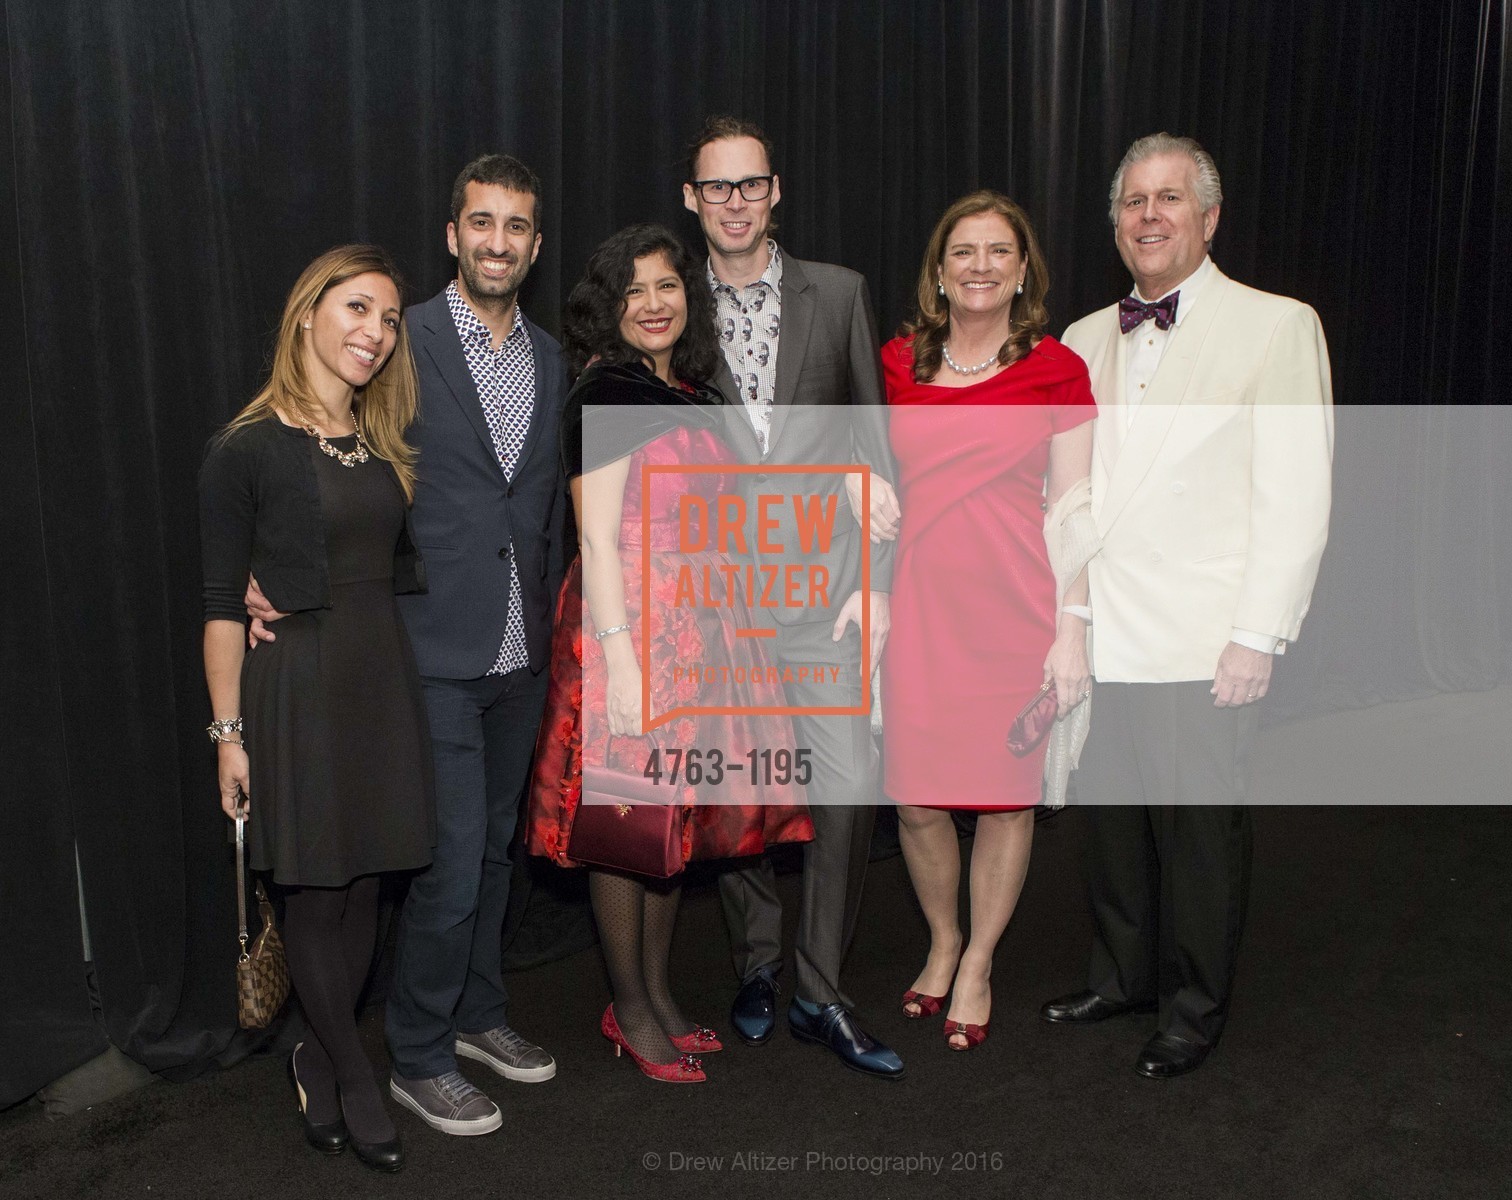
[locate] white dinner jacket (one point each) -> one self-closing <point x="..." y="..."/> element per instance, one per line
<point x="1213" y="503"/>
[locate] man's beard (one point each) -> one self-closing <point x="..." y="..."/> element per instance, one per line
<point x="500" y="291"/>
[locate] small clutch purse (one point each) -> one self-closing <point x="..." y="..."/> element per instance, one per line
<point x="1034" y="722"/>
<point x="628" y="823"/>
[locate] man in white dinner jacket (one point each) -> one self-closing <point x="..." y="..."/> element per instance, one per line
<point x="1211" y="481"/>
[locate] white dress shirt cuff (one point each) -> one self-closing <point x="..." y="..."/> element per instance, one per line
<point x="1264" y="642"/>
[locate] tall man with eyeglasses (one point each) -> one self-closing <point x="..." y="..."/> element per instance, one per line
<point x="803" y="385"/>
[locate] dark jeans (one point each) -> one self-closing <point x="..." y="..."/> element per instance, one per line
<point x="447" y="976"/>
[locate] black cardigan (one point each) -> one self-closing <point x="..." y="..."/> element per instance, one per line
<point x="260" y="515"/>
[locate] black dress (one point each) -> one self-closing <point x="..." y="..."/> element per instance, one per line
<point x="341" y="780"/>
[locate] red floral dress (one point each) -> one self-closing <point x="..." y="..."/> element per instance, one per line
<point x="740" y="815"/>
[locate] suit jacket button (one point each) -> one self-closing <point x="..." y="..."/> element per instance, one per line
<point x="1155" y="555"/>
<point x="1178" y="487"/>
<point x="504" y="552"/>
<point x="509" y="491"/>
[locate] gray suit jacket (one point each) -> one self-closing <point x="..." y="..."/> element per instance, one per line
<point x="828" y="409"/>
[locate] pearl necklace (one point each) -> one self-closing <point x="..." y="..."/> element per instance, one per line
<point x="347" y="458"/>
<point x="960" y="370"/>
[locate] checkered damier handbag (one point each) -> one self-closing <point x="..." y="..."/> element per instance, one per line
<point x="262" y="973"/>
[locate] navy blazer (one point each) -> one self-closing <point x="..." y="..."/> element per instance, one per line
<point x="468" y="517"/>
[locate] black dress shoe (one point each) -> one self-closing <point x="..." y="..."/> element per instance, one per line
<point x="833" y="1026"/>
<point x="1165" y="1056"/>
<point x="1082" y="1008"/>
<point x="754" y="1013"/>
<point x="330" y="1138"/>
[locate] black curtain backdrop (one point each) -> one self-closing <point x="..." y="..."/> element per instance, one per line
<point x="171" y="165"/>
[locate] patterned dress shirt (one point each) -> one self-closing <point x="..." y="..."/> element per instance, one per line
<point x="505" y="379"/>
<point x="750" y="319"/>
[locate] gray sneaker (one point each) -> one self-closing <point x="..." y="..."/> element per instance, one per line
<point x="508" y="1054"/>
<point x="448" y="1103"/>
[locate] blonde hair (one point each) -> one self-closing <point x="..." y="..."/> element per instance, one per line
<point x="387" y="405"/>
<point x="930" y="325"/>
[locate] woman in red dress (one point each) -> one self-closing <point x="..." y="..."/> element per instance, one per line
<point x="986" y="408"/>
<point x="640" y="330"/>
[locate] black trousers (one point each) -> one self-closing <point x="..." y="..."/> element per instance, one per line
<point x="1171" y="849"/>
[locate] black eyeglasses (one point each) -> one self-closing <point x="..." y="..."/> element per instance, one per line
<point x="718" y="191"/>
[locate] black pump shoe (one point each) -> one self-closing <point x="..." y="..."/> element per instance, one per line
<point x="330" y="1138"/>
<point x="381" y="1156"/>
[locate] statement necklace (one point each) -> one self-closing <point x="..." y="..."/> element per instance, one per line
<point x="960" y="370"/>
<point x="347" y="458"/>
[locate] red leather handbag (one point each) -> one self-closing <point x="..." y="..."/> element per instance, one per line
<point x="1033" y="723"/>
<point x="628" y="823"/>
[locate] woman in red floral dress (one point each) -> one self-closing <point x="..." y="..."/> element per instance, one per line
<point x="640" y="329"/>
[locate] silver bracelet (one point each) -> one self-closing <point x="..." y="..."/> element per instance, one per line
<point x="219" y="729"/>
<point x="603" y="633"/>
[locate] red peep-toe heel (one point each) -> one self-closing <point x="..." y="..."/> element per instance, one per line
<point x="928" y="1005"/>
<point x="975" y="1035"/>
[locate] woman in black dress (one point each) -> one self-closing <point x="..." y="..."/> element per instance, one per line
<point x="321" y="735"/>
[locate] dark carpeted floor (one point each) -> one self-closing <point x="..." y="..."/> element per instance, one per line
<point x="1368" y="1055"/>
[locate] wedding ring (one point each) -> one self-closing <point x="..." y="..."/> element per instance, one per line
<point x="1084" y="695"/>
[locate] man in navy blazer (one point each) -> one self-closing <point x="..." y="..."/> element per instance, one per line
<point x="488" y="515"/>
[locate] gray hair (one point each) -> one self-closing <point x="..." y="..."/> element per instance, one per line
<point x="1209" y="188"/>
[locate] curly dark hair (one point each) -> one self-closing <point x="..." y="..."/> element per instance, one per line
<point x="591" y="322"/>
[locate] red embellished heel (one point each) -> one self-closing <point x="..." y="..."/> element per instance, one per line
<point x="686" y="1068"/>
<point x="702" y="1040"/>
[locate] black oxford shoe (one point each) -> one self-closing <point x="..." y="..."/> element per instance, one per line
<point x="1165" y="1056"/>
<point x="754" y="1013"/>
<point x="1082" y="1008"/>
